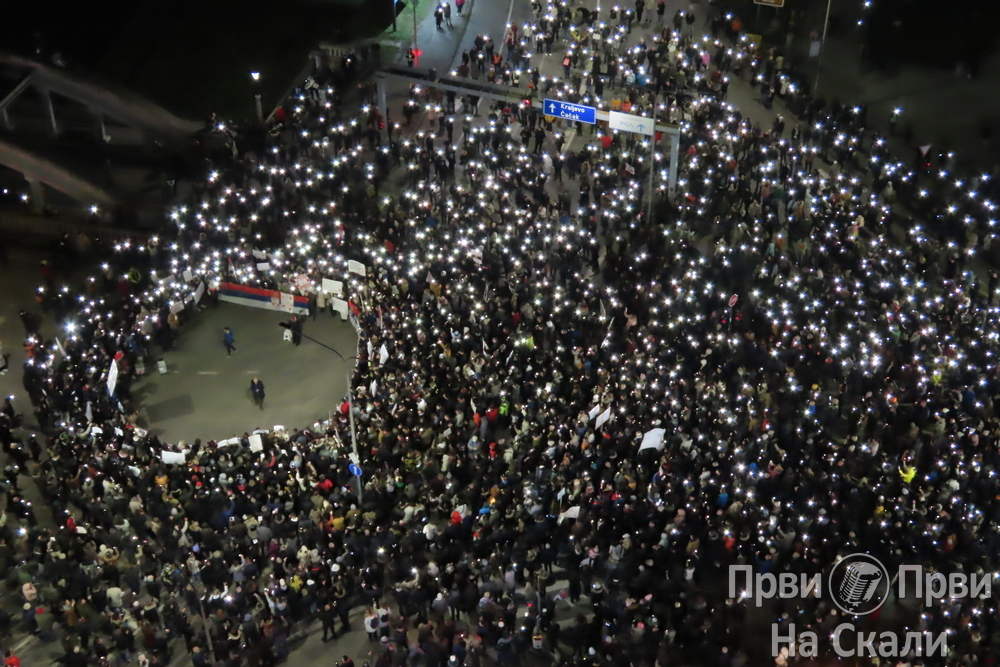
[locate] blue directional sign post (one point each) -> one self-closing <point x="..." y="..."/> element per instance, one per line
<point x="570" y="111"/>
<point x="354" y="469"/>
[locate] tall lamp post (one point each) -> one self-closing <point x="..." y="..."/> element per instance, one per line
<point x="822" y="48"/>
<point x="355" y="457"/>
<point x="416" y="49"/>
<point x="392" y="8"/>
<point x="258" y="101"/>
<point x="652" y="167"/>
<point x="208" y="631"/>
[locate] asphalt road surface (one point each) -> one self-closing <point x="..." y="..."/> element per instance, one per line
<point x="205" y="392"/>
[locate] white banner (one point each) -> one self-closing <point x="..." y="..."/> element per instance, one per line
<point x="572" y="513"/>
<point x="653" y="439"/>
<point x="334" y="287"/>
<point x="303" y="284"/>
<point x="603" y="418"/>
<point x="173" y="458"/>
<point x="339" y="306"/>
<point x="354" y="266"/>
<point x="112" y="377"/>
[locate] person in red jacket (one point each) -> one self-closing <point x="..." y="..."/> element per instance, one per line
<point x="11" y="660"/>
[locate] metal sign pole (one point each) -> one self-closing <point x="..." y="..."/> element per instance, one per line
<point x="383" y="100"/>
<point x="415" y="26"/>
<point x="354" y="437"/>
<point x="822" y="48"/>
<point x="675" y="154"/>
<point x="652" y="167"/>
<point x="559" y="108"/>
<point x="208" y="631"/>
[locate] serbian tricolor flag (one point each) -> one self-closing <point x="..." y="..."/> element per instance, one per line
<point x="268" y="299"/>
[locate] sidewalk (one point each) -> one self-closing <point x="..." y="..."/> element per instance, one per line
<point x="944" y="108"/>
<point x="437" y="47"/>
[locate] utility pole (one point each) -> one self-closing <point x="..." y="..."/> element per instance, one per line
<point x="354" y="437"/>
<point x="652" y="167"/>
<point x="392" y="8"/>
<point x="208" y="631"/>
<point x="415" y="27"/>
<point x="257" y="100"/>
<point x="822" y="49"/>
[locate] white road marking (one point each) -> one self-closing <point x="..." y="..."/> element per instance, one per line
<point x="21" y="644"/>
<point x="208" y="373"/>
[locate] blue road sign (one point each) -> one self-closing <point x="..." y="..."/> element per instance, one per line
<point x="355" y="469"/>
<point x="570" y="111"/>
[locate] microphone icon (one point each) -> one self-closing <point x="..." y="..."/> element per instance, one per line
<point x="859" y="584"/>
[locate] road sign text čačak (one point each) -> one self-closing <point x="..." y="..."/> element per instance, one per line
<point x="569" y="111"/>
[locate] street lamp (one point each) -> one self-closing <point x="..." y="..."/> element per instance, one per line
<point x="355" y="457"/>
<point x="822" y="48"/>
<point x="258" y="102"/>
<point x="893" y="119"/>
<point x="208" y="630"/>
<point x="416" y="49"/>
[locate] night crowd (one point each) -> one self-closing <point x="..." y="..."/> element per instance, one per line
<point x="822" y="363"/>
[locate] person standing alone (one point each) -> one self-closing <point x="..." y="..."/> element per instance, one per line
<point x="257" y="392"/>
<point x="229" y="340"/>
<point x="296" y="327"/>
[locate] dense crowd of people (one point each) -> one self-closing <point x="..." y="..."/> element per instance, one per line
<point x="822" y="365"/>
